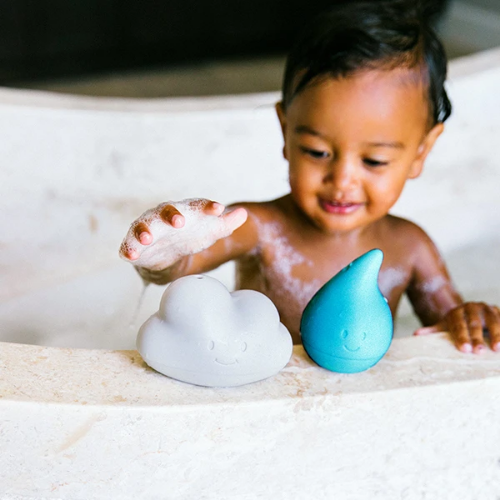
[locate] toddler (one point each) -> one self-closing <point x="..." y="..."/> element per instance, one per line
<point x="363" y="103"/>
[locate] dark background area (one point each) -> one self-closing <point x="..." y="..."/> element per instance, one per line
<point x="44" y="39"/>
<point x="54" y="38"/>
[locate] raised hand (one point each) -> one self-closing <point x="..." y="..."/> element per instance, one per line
<point x="162" y="235"/>
<point x="467" y="324"/>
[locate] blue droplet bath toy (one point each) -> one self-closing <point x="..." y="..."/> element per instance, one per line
<point x="347" y="326"/>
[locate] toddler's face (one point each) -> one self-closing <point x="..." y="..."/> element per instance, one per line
<point x="353" y="142"/>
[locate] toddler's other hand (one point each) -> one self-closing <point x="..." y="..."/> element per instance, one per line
<point x="466" y="325"/>
<point x="162" y="235"/>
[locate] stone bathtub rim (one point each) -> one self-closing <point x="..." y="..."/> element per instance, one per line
<point x="121" y="379"/>
<point x="488" y="60"/>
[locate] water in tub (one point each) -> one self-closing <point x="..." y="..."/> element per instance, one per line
<point x="105" y="309"/>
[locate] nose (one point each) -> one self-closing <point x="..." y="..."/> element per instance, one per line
<point x="341" y="174"/>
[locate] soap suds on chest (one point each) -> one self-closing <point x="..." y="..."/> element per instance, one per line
<point x="281" y="269"/>
<point x="391" y="278"/>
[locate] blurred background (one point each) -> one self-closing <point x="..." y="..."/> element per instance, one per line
<point x="167" y="48"/>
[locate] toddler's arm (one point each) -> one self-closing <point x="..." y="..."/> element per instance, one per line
<point x="441" y="308"/>
<point x="179" y="238"/>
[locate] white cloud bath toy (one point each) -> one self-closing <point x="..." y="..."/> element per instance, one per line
<point x="205" y="335"/>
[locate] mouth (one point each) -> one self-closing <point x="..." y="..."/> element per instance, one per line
<point x="226" y="364"/>
<point x="351" y="350"/>
<point x="337" y="207"/>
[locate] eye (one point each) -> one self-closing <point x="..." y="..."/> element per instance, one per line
<point x="244" y="347"/>
<point x="363" y="337"/>
<point x="211" y="345"/>
<point x="317" y="154"/>
<point x="344" y="334"/>
<point x="374" y="163"/>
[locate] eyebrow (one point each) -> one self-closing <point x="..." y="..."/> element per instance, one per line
<point x="304" y="129"/>
<point x="395" y="144"/>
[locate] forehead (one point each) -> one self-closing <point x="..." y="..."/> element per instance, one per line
<point x="383" y="100"/>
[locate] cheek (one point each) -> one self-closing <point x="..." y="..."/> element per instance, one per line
<point x="388" y="189"/>
<point x="292" y="173"/>
<point x="299" y="176"/>
<point x="303" y="188"/>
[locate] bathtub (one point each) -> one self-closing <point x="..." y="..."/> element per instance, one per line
<point x="82" y="416"/>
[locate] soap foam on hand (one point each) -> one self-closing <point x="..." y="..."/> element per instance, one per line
<point x="205" y="335"/>
<point x="169" y="243"/>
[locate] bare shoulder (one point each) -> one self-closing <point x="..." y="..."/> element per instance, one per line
<point x="410" y="236"/>
<point x="406" y="229"/>
<point x="248" y="236"/>
<point x="260" y="214"/>
<point x="263" y="211"/>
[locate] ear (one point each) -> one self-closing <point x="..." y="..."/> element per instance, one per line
<point x="282" y="118"/>
<point x="281" y="115"/>
<point x="424" y="149"/>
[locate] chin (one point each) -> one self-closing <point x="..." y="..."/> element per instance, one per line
<point x="328" y="226"/>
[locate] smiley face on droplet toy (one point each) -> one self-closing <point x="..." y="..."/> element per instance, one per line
<point x="204" y="335"/>
<point x="347" y="326"/>
<point x="352" y="344"/>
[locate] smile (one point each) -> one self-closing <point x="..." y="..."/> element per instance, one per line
<point x="334" y="207"/>
<point x="352" y="350"/>
<point x="226" y="364"/>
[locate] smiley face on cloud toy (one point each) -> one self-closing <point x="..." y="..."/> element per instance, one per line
<point x="205" y="335"/>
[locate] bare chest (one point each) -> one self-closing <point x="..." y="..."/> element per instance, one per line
<point x="290" y="270"/>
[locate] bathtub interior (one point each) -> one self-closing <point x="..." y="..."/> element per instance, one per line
<point x="79" y="173"/>
<point x="105" y="308"/>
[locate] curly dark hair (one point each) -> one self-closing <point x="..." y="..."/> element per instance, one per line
<point x="357" y="35"/>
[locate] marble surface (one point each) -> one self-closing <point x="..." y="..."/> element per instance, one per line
<point x="101" y="377"/>
<point x="79" y="424"/>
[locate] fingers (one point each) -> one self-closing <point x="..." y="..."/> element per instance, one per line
<point x="128" y="253"/>
<point x="473" y="316"/>
<point x="128" y="248"/>
<point x="467" y="323"/>
<point x="208" y="207"/>
<point x="465" y="326"/>
<point x="231" y="220"/>
<point x="234" y="219"/>
<point x="457" y="326"/>
<point x="492" y="322"/>
<point x="150" y="238"/>
<point x="214" y="208"/>
<point x="170" y="215"/>
<point x="427" y="330"/>
<point x="142" y="234"/>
